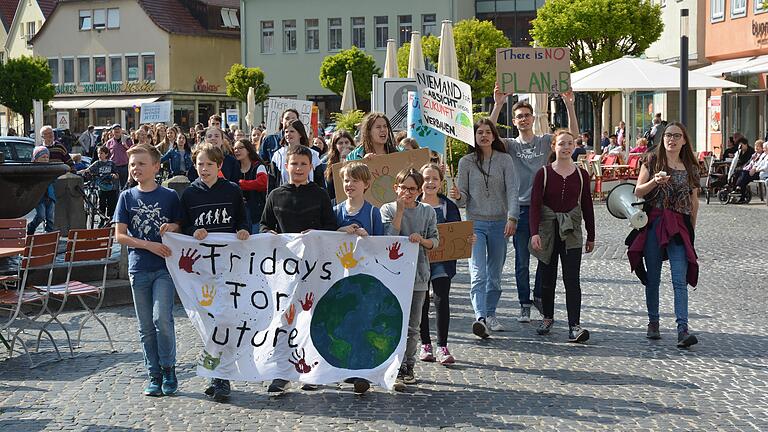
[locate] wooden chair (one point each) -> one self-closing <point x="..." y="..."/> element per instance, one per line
<point x="23" y="304"/>
<point x="13" y="234"/>
<point x="83" y="245"/>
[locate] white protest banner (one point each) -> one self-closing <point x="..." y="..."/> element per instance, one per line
<point x="62" y="119"/>
<point x="282" y="306"/>
<point x="276" y="106"/>
<point x="446" y="105"/>
<point x="533" y="70"/>
<point x="156" y="112"/>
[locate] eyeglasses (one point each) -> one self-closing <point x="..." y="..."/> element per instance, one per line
<point x="523" y="116"/>
<point x="412" y="190"/>
<point x="675" y="136"/>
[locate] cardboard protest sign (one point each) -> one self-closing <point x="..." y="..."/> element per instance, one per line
<point x="533" y="70"/>
<point x="282" y="306"/>
<point x="454" y="242"/>
<point x="446" y="105"/>
<point x="418" y="130"/>
<point x="276" y="106"/>
<point x="384" y="169"/>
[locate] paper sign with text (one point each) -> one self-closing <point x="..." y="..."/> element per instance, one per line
<point x="314" y="308"/>
<point x="418" y="130"/>
<point x="533" y="70"/>
<point x="454" y="242"/>
<point x="276" y="106"/>
<point x="155" y="112"/>
<point x="446" y="105"/>
<point x="384" y="169"/>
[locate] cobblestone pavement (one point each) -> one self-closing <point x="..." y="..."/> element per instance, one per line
<point x="513" y="381"/>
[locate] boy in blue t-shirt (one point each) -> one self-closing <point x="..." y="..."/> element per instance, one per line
<point x="144" y="213"/>
<point x="355" y="215"/>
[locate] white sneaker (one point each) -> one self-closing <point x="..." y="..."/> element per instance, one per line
<point x="494" y="324"/>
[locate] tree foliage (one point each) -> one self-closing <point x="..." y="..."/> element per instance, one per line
<point x="25" y="79"/>
<point x="239" y="78"/>
<point x="430" y="47"/>
<point x="349" y="121"/>
<point x="333" y="72"/>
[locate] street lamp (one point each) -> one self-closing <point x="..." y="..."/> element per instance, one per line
<point x="684" y="66"/>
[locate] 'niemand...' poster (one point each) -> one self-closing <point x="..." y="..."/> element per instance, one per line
<point x="446" y="105"/>
<point x="315" y="308"/>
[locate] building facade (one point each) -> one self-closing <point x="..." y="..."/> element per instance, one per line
<point x="289" y="41"/>
<point x="109" y="57"/>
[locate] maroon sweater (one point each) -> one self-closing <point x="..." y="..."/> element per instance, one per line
<point x="561" y="195"/>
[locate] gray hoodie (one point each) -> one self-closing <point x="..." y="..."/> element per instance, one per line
<point x="528" y="158"/>
<point x="420" y="219"/>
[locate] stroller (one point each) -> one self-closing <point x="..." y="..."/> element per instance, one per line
<point x="728" y="193"/>
<point x="716" y="177"/>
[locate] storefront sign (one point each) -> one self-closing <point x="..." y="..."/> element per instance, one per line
<point x="129" y="87"/>
<point x="760" y="31"/>
<point x="533" y="70"/>
<point x="714" y="114"/>
<point x="203" y="86"/>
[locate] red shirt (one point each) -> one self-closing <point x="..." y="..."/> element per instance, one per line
<point x="562" y="195"/>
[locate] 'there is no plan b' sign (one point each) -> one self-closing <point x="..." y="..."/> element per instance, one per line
<point x="446" y="105"/>
<point x="533" y="70"/>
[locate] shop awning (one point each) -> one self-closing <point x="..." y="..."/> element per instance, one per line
<point x="755" y="66"/>
<point x="111" y="102"/>
<point x="71" y="103"/>
<point x="739" y="66"/>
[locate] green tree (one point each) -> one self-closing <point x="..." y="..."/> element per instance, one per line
<point x="430" y="47"/>
<point x="25" y="79"/>
<point x="598" y="31"/>
<point x="333" y="72"/>
<point x="239" y="78"/>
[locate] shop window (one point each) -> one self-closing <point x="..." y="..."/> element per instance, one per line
<point x="358" y="32"/>
<point x="100" y="69"/>
<point x="99" y="19"/>
<point x="267" y="37"/>
<point x="113" y="18"/>
<point x="405" y="27"/>
<point x="289" y="36"/>
<point x="738" y="8"/>
<point x="312" y="42"/>
<point x="84" y="69"/>
<point x="85" y="22"/>
<point x="69" y="70"/>
<point x="717" y="10"/>
<point x="761" y="6"/>
<point x="334" y="34"/>
<point x="132" y="67"/>
<point x="382" y="31"/>
<point x="149" y="66"/>
<point x="53" y="63"/>
<point x="428" y="24"/>
<point x="116" y="69"/>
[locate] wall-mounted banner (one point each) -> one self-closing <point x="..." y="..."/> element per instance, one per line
<point x="533" y="70"/>
<point x="282" y="306"/>
<point x="446" y="105"/>
<point x="418" y="130"/>
<point x="276" y="106"/>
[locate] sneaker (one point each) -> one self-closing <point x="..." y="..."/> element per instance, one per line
<point x="653" y="331"/>
<point x="538" y="305"/>
<point x="525" y="314"/>
<point x="400" y="381"/>
<point x="211" y="387"/>
<point x="545" y="326"/>
<point x="277" y="387"/>
<point x="426" y="353"/>
<point x="494" y="324"/>
<point x="444" y="357"/>
<point x="480" y="329"/>
<point x="310" y="387"/>
<point x="408" y="376"/>
<point x="154" y="386"/>
<point x="685" y="339"/>
<point x="170" y="383"/>
<point x="222" y="391"/>
<point x="578" y="334"/>
<point x="361" y="386"/>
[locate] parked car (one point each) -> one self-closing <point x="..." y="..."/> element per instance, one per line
<point x="16" y="149"/>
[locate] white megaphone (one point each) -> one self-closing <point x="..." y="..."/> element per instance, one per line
<point x="623" y="204"/>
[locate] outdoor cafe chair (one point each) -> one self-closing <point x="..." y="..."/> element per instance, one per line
<point x="13" y="234"/>
<point x="23" y="304"/>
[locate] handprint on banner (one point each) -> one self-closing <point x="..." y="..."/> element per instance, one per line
<point x="309" y="299"/>
<point x="209" y="292"/>
<point x="346" y="256"/>
<point x="188" y="259"/>
<point x="291" y="314"/>
<point x="394" y="251"/>
<point x="299" y="363"/>
<point x="210" y="362"/>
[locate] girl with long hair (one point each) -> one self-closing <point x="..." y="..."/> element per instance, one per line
<point x="375" y="137"/>
<point x="179" y="156"/>
<point x="271" y="143"/>
<point x="487" y="186"/>
<point x="253" y="180"/>
<point x="295" y="133"/>
<point x="341" y="145"/>
<point x="229" y="169"/>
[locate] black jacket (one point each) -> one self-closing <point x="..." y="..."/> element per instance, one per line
<point x="293" y="209"/>
<point x="217" y="209"/>
<point x="452" y="214"/>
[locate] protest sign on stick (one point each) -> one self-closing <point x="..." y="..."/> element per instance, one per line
<point x="276" y="106"/>
<point x="533" y="70"/>
<point x="454" y="242"/>
<point x="446" y="105"/>
<point x="384" y="169"/>
<point x="314" y="308"/>
<point x="418" y="130"/>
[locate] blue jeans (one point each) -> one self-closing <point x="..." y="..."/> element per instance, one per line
<point x="485" y="266"/>
<point x="523" y="260"/>
<point x="678" y="264"/>
<point x="43" y="213"/>
<point x="153" y="295"/>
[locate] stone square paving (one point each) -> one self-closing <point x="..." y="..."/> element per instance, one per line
<point x="516" y="380"/>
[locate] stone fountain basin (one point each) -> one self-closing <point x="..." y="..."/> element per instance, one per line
<point x="22" y="184"/>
